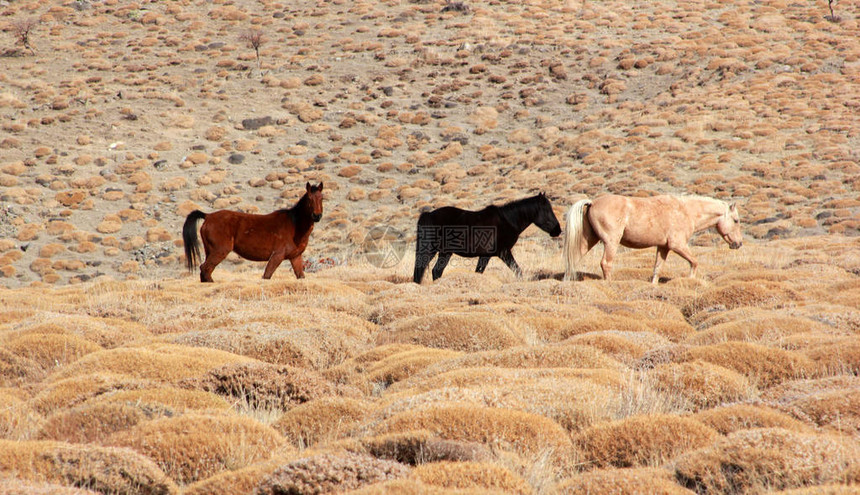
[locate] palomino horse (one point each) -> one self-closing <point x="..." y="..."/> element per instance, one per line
<point x="490" y="232"/>
<point x="282" y="234"/>
<point x="666" y="222"/>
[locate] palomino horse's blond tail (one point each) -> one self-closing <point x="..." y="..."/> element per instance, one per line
<point x="573" y="237"/>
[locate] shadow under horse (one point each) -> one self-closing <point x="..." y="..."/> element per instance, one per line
<point x="490" y="232"/>
<point x="280" y="235"/>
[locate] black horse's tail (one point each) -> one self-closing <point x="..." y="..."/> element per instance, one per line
<point x="189" y="238"/>
<point x="425" y="247"/>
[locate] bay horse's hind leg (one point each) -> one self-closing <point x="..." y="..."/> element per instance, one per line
<point x="482" y="264"/>
<point x="662" y="253"/>
<point x="508" y="257"/>
<point x="298" y="266"/>
<point x="440" y="265"/>
<point x="213" y="257"/>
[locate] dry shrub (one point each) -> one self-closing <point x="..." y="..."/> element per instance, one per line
<point x="51" y="350"/>
<point x="766" y="459"/>
<point x="162" y="362"/>
<point x="194" y="446"/>
<point x="828" y="489"/>
<point x="106" y="332"/>
<point x="101" y="469"/>
<point x="466" y="377"/>
<point x="330" y="473"/>
<point x="90" y="423"/>
<point x="560" y="355"/>
<point x="163" y="400"/>
<point x="740" y="294"/>
<point x="792" y="390"/>
<point x="765" y="329"/>
<point x="735" y="417"/>
<point x="557" y="331"/>
<point x="410" y="486"/>
<point x="840" y="317"/>
<point x="242" y="480"/>
<point x="837" y="358"/>
<point x="384" y="367"/>
<point x="623" y="481"/>
<point x="264" y="385"/>
<point x="18" y="419"/>
<point x="612" y="343"/>
<point x="16" y="370"/>
<point x="13" y="486"/>
<point x="838" y="410"/>
<point x="321" y="420"/>
<point x="471" y="332"/>
<point x="420" y="447"/>
<point x="466" y="475"/>
<point x="509" y="430"/>
<point x="702" y="384"/>
<point x="763" y="366"/>
<point x="641" y="440"/>
<point x="67" y="393"/>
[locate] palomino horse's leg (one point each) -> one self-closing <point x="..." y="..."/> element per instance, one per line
<point x="274" y="261"/>
<point x="482" y="264"/>
<point x="684" y="252"/>
<point x="441" y="262"/>
<point x="662" y="253"/>
<point x="609" y="250"/>
<point x="298" y="266"/>
<point x="509" y="260"/>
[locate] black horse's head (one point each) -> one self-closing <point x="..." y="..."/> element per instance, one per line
<point x="545" y="218"/>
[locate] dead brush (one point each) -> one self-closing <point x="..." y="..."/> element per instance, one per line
<point x="22" y="30"/>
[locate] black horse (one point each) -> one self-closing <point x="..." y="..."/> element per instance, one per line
<point x="490" y="232"/>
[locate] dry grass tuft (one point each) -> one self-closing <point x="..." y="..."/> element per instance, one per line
<point x="829" y="489"/>
<point x="623" y="481"/>
<point x="837" y="410"/>
<point x="842" y="356"/>
<point x="641" y="440"/>
<point x="469" y="332"/>
<point x="194" y="446"/>
<point x="420" y="447"/>
<point x="330" y="473"/>
<point x="13" y="486"/>
<point x="735" y="417"/>
<point x="763" y="366"/>
<point x="386" y="365"/>
<point x="767" y="328"/>
<point x="740" y="294"/>
<point x="264" y="385"/>
<point x="16" y="370"/>
<point x="67" y="393"/>
<point x="90" y="423"/>
<point x="101" y="469"/>
<point x="468" y="475"/>
<point x="51" y="350"/>
<point x="242" y="480"/>
<point x="768" y="459"/>
<point x="560" y="355"/>
<point x="702" y="384"/>
<point x="321" y="420"/>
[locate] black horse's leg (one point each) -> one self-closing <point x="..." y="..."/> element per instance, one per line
<point x="509" y="260"/>
<point x="422" y="260"/>
<point x="482" y="264"/>
<point x="441" y="262"/>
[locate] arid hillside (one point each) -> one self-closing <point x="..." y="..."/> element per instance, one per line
<point x="119" y="118"/>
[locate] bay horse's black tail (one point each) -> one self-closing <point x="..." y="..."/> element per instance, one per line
<point x="425" y="246"/>
<point x="189" y="238"/>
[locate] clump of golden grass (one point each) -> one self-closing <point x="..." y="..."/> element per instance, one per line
<point x="797" y="389"/>
<point x="456" y="331"/>
<point x="700" y="383"/>
<point x="420" y="446"/>
<point x="735" y="417"/>
<point x="769" y="459"/>
<point x="763" y="366"/>
<point x="67" y="393"/>
<point x="264" y="385"/>
<point x="164" y="400"/>
<point x="559" y="355"/>
<point x="102" y="469"/>
<point x="619" y="481"/>
<point x="18" y="419"/>
<point x="386" y="365"/>
<point x="506" y="429"/>
<point x="17" y="486"/>
<point x="242" y="480"/>
<point x="622" y="346"/>
<point x="838" y="410"/>
<point x="640" y="440"/>
<point x="467" y="475"/>
<point x="739" y="294"/>
<point x="330" y="473"/>
<point x="51" y="350"/>
<point x="188" y="450"/>
<point x="827" y="489"/>
<point x="106" y="332"/>
<point x="16" y="370"/>
<point x="841" y="356"/>
<point x="321" y="420"/>
<point x="162" y="362"/>
<point x="90" y="423"/>
<point x="766" y="328"/>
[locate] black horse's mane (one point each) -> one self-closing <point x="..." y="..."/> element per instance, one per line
<point x="522" y="210"/>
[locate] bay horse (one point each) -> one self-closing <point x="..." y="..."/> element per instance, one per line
<point x="490" y="232"/>
<point x="664" y="221"/>
<point x="282" y="234"/>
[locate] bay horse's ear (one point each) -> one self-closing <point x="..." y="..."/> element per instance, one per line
<point x="319" y="188"/>
<point x="308" y="186"/>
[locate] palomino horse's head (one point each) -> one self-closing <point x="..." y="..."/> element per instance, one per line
<point x="315" y="200"/>
<point x="546" y="218"/>
<point x="729" y="227"/>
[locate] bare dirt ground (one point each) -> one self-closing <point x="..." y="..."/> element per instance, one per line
<point x="119" y="118"/>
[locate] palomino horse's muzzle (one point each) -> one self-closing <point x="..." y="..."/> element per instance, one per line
<point x="735" y="245"/>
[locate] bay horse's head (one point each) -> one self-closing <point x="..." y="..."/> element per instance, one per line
<point x="546" y="218"/>
<point x="729" y="227"/>
<point x="315" y="199"/>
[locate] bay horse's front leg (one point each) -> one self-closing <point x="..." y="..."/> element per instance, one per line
<point x="508" y="257"/>
<point x="662" y="253"/>
<point x="298" y="266"/>
<point x="274" y="261"/>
